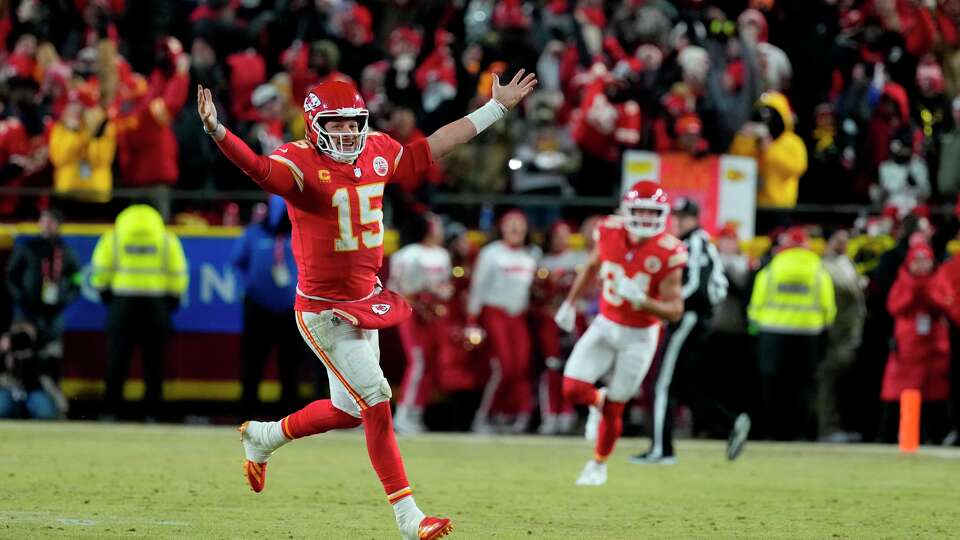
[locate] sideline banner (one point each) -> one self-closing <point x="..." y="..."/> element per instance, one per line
<point x="724" y="186"/>
<point x="214" y="300"/>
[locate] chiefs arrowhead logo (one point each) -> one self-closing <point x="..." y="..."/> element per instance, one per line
<point x="380" y="309"/>
<point x="311" y="102"/>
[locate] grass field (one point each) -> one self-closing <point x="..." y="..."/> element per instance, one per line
<point x="83" y="480"/>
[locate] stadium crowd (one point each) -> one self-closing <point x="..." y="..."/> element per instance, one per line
<point x="840" y="101"/>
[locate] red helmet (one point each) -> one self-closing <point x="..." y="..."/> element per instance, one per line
<point x="332" y="101"/>
<point x="645" y="195"/>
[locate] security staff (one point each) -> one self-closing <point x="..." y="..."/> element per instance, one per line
<point x="679" y="376"/>
<point x="140" y="271"/>
<point x="792" y="304"/>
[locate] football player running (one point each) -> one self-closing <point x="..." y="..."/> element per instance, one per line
<point x="333" y="183"/>
<point x="640" y="267"/>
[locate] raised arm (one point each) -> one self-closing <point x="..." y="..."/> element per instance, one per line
<point x="270" y="176"/>
<point x="505" y="97"/>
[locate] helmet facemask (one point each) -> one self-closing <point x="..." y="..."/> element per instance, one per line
<point x="346" y="146"/>
<point x="644" y="218"/>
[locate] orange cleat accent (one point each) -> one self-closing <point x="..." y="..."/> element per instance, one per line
<point x="431" y="527"/>
<point x="255" y="473"/>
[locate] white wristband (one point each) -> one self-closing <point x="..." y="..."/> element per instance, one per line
<point x="486" y="115"/>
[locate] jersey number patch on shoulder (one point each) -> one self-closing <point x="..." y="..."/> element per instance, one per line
<point x="611" y="273"/>
<point x="368" y="214"/>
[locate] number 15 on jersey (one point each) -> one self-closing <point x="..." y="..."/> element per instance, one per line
<point x="365" y="196"/>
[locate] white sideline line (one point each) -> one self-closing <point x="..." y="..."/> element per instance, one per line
<point x="81" y="521"/>
<point x="90" y="427"/>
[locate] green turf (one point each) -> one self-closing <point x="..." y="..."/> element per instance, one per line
<point x="104" y="481"/>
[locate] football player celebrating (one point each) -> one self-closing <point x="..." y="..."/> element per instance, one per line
<point x="333" y="182"/>
<point x="640" y="267"/>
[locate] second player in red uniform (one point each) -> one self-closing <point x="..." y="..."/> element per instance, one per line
<point x="640" y="267"/>
<point x="333" y="184"/>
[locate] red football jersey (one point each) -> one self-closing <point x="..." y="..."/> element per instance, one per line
<point x="647" y="262"/>
<point x="337" y="217"/>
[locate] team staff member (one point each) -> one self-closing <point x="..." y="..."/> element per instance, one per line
<point x="421" y="272"/>
<point x="679" y="378"/>
<point x="792" y="304"/>
<point x="264" y="258"/>
<point x="140" y="271"/>
<point x="499" y="298"/>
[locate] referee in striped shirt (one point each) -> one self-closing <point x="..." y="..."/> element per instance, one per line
<point x="679" y="378"/>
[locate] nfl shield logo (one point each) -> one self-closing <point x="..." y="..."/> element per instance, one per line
<point x="356" y="172"/>
<point x="380" y="309"/>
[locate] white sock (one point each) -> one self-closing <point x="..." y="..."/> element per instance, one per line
<point x="272" y="435"/>
<point x="407" y="512"/>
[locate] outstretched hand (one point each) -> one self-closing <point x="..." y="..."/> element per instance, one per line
<point x="513" y="92"/>
<point x="206" y="108"/>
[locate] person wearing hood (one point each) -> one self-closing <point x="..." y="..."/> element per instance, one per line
<point x="140" y="272"/>
<point x="264" y="260"/>
<point x="780" y="153"/>
<point x="921" y="356"/>
<point x="792" y="304"/>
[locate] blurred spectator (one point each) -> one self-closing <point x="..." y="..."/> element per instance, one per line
<point x="780" y="153"/>
<point x="730" y="315"/>
<point x="310" y="64"/>
<point x="82" y="147"/>
<point x="555" y="275"/>
<point x="421" y="272"/>
<point x="890" y="118"/>
<point x="792" y="304"/>
<point x="43" y="277"/>
<point x="499" y="297"/>
<point x="404" y="47"/>
<point x="28" y="383"/>
<point x="545" y="155"/>
<point x="146" y="112"/>
<point x="948" y="172"/>
<point x="23" y="144"/>
<point x="264" y="259"/>
<point x="607" y="121"/>
<point x="904" y="180"/>
<point x="140" y="271"/>
<point x="247" y="70"/>
<point x="834" y="372"/>
<point x="268" y="131"/>
<point x="921" y="359"/>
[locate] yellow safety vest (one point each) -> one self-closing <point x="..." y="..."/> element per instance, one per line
<point x="793" y="295"/>
<point x="139" y="257"/>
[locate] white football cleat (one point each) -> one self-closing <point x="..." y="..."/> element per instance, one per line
<point x="408" y="422"/>
<point x="594" y="416"/>
<point x="255" y="442"/>
<point x="593" y="474"/>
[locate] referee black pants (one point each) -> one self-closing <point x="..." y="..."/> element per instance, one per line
<point x="680" y="379"/>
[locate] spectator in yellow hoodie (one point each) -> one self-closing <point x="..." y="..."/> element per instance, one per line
<point x="83" y="144"/>
<point x="781" y="155"/>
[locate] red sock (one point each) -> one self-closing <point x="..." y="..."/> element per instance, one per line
<point x="579" y="392"/>
<point x="611" y="426"/>
<point x="317" y="417"/>
<point x="383" y="451"/>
